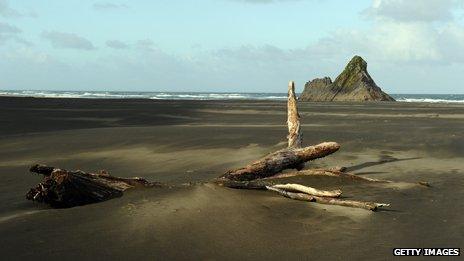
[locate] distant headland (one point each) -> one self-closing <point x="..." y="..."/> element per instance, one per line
<point x="353" y="84"/>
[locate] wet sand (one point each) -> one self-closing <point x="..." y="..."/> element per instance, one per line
<point x="195" y="141"/>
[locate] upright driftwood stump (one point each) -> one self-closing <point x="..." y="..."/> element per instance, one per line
<point x="295" y="135"/>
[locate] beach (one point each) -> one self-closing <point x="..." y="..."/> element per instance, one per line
<point x="188" y="143"/>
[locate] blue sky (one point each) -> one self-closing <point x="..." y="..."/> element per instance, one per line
<point x="411" y="46"/>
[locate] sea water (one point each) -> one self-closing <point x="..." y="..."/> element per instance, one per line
<point x="429" y="98"/>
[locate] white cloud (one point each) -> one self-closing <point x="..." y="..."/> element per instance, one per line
<point x="404" y="54"/>
<point x="413" y="10"/>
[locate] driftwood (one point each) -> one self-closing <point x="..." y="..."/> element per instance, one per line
<point x="340" y="173"/>
<point x="258" y="174"/>
<point x="295" y="135"/>
<point x="61" y="188"/>
<point x="287" y="158"/>
<point x="329" y="200"/>
<point x="328" y="172"/>
<point x="308" y="190"/>
<point x="292" y="157"/>
<point x="265" y="185"/>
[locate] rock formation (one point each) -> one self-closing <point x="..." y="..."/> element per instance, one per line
<point x="353" y="84"/>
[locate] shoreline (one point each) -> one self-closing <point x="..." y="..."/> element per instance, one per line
<point x="213" y="96"/>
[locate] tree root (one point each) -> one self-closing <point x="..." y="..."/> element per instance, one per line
<point x="61" y="188"/>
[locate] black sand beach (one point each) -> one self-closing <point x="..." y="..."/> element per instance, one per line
<point x="181" y="142"/>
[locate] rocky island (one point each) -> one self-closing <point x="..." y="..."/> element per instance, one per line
<point x="353" y="84"/>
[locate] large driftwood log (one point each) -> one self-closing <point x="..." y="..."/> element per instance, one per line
<point x="287" y="158"/>
<point x="61" y="188"/>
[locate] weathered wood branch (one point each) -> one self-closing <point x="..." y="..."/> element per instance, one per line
<point x="264" y="185"/>
<point x="61" y="188"/>
<point x="295" y="135"/>
<point x="329" y="200"/>
<point x="287" y="158"/>
<point x="327" y="172"/>
<point x="308" y="190"/>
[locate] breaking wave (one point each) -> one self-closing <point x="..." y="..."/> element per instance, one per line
<point x="430" y="98"/>
<point x="146" y="95"/>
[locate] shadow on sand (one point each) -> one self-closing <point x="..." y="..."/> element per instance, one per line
<point x="383" y="160"/>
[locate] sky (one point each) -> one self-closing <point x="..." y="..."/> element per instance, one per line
<point x="411" y="46"/>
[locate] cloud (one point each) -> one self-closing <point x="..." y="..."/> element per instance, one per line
<point x="7" y="11"/>
<point x="109" y="6"/>
<point x="404" y="57"/>
<point x="8" y="29"/>
<point x="115" y="44"/>
<point x="396" y="43"/>
<point x="413" y="10"/>
<point x="265" y="68"/>
<point x="10" y="32"/>
<point x="146" y="45"/>
<point x="67" y="40"/>
<point x="405" y="54"/>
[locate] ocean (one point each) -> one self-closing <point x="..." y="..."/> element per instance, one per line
<point x="428" y="98"/>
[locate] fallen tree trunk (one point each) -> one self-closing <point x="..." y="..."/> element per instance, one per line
<point x="61" y="188"/>
<point x="287" y="158"/>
